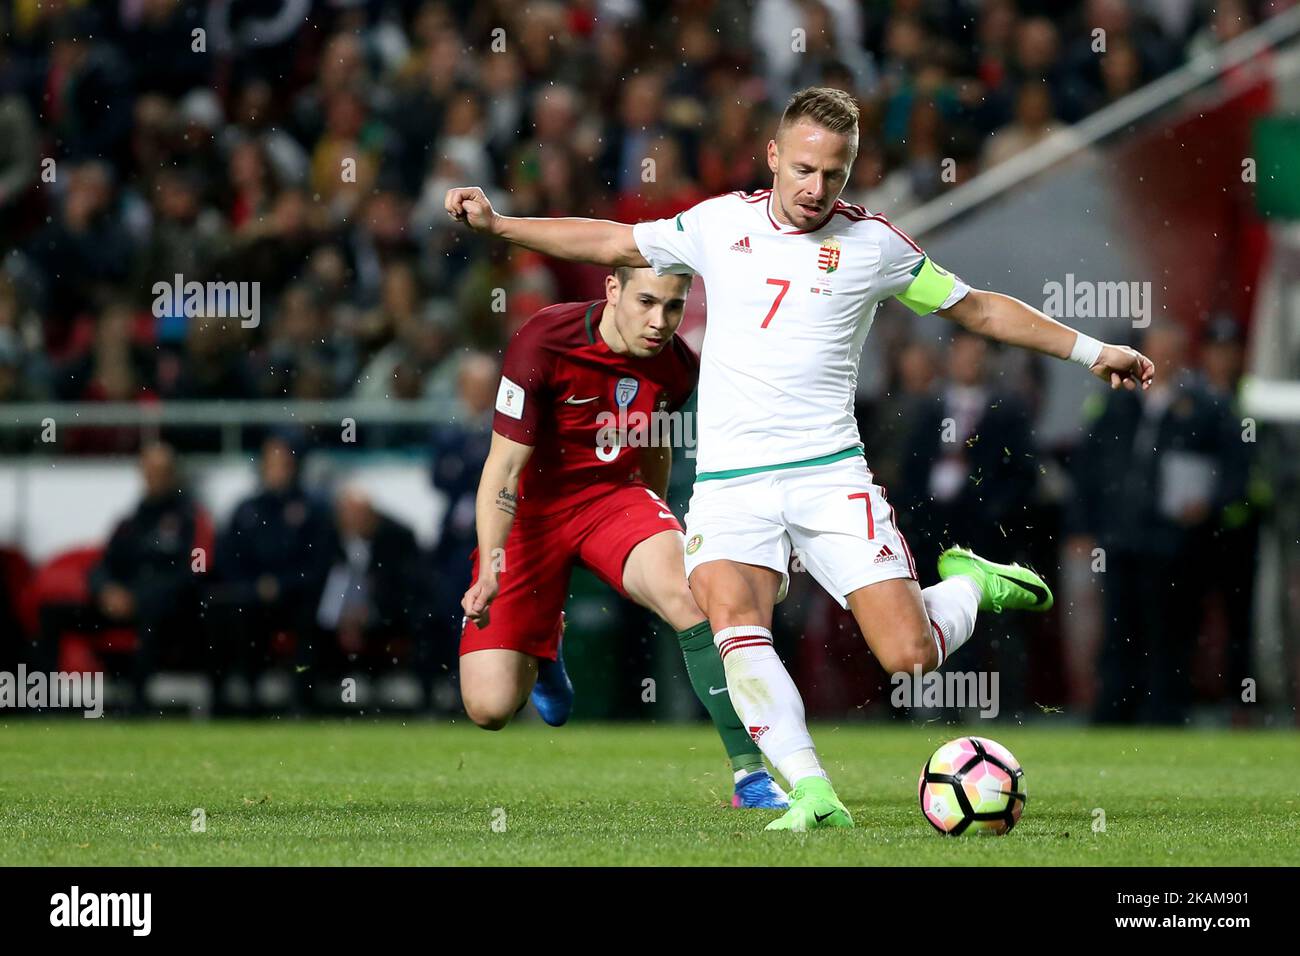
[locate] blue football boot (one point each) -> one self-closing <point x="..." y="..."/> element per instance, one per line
<point x="758" y="791"/>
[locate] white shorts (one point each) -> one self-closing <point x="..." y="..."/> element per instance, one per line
<point x="834" y="518"/>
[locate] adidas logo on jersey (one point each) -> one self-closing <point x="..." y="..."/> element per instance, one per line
<point x="742" y="246"/>
<point x="885" y="555"/>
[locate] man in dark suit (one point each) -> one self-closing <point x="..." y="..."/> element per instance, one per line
<point x="147" y="577"/>
<point x="1151" y="476"/>
<point x="270" y="566"/>
<point x="1236" y="535"/>
<point x="969" y="466"/>
<point x="372" y="600"/>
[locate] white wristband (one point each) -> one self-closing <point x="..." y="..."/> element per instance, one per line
<point x="1086" y="350"/>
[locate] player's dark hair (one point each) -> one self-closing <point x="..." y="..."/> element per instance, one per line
<point x="624" y="275"/>
<point x="830" y="108"/>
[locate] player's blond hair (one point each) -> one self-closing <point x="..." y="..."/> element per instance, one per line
<point x="826" y="106"/>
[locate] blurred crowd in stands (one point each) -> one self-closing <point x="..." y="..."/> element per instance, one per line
<point x="307" y="145"/>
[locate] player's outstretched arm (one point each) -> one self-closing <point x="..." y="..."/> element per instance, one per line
<point x="600" y="241"/>
<point x="1009" y="320"/>
<point x="494" y="513"/>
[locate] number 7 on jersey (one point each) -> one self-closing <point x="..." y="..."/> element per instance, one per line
<point x="785" y="287"/>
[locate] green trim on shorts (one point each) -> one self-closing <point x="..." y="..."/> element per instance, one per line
<point x="806" y="463"/>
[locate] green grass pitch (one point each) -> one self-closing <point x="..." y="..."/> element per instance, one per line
<point x="386" y="792"/>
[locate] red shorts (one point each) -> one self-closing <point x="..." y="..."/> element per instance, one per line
<point x="539" y="557"/>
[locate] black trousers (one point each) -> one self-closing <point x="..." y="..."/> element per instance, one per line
<point x="1152" y="614"/>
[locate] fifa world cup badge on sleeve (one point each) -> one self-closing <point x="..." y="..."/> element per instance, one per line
<point x="510" y="399"/>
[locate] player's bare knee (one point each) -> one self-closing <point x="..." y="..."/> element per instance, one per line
<point x="907" y="657"/>
<point x="489" y="715"/>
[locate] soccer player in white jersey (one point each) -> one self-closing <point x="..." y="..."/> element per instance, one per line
<point x="793" y="277"/>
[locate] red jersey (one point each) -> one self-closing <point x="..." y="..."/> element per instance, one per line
<point x="561" y="385"/>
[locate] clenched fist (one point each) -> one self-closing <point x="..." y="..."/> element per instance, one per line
<point x="469" y="205"/>
<point x="478" y="599"/>
<point x="1123" y="366"/>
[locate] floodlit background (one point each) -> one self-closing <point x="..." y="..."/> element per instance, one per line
<point x="1131" y="166"/>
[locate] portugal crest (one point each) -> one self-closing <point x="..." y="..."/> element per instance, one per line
<point x="625" y="391"/>
<point x="828" y="256"/>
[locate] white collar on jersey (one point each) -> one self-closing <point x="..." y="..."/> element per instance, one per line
<point x="791" y="230"/>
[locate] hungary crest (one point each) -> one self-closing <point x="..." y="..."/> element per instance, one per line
<point x="828" y="256"/>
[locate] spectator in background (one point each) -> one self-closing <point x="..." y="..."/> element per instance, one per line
<point x="213" y="365"/>
<point x="459" y="449"/>
<point x="1034" y="122"/>
<point x="1227" y="20"/>
<point x="370" y="607"/>
<point x="15" y="386"/>
<point x="1237" y="525"/>
<point x="380" y="237"/>
<point x="304" y="359"/>
<point x="155" y="130"/>
<point x="638" y="126"/>
<point x="878" y="189"/>
<point x="115" y="368"/>
<point x="186" y="238"/>
<point x="894" y="419"/>
<point x="89" y="99"/>
<point x="146" y="579"/>
<point x="271" y="564"/>
<point x="21" y="345"/>
<point x="417" y="362"/>
<point x="1037" y="62"/>
<point x="727" y="158"/>
<point x="833" y="28"/>
<point x="20" y="159"/>
<point x="1114" y="50"/>
<point x="345" y="163"/>
<point x="969" y="469"/>
<point x="668" y="190"/>
<point x="253" y="123"/>
<point x="272" y="248"/>
<point x="1151" y="476"/>
<point x="85" y="241"/>
<point x="252" y="183"/>
<point x="343" y="70"/>
<point x="399" y="304"/>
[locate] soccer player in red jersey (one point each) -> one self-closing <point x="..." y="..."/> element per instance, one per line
<point x="563" y="484"/>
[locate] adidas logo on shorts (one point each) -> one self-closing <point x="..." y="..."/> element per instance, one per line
<point x="885" y="555"/>
<point x="757" y="732"/>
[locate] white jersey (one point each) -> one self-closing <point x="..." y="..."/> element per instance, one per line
<point x="788" y="312"/>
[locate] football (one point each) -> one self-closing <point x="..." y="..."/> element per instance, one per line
<point x="972" y="785"/>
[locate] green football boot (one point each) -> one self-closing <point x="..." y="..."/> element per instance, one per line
<point x="1003" y="587"/>
<point x="813" y="806"/>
